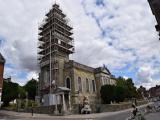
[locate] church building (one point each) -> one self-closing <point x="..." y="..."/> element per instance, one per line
<point x="61" y="80"/>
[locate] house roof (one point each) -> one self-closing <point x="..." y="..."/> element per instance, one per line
<point x="2" y="60"/>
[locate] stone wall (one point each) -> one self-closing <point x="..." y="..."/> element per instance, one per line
<point x="115" y="107"/>
<point x="96" y="108"/>
<point x="42" y="109"/>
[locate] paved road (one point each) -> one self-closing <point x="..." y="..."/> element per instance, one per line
<point x="120" y="115"/>
<point x="123" y="116"/>
<point x="153" y="116"/>
<point x="8" y="117"/>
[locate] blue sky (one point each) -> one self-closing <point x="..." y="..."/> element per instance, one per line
<point x="117" y="33"/>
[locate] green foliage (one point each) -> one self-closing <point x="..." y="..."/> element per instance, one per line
<point x="22" y="92"/>
<point x="10" y="92"/>
<point x="107" y="93"/>
<point x="139" y="94"/>
<point x="119" y="94"/>
<point x="124" y="89"/>
<point x="121" y="82"/>
<point x="131" y="88"/>
<point x="128" y="85"/>
<point x="32" y="103"/>
<point x="31" y="88"/>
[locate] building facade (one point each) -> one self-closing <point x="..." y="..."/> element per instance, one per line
<point x="61" y="80"/>
<point x="2" y="62"/>
<point x="154" y="91"/>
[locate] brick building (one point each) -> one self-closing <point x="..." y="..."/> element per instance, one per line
<point x="61" y="80"/>
<point x="2" y="62"/>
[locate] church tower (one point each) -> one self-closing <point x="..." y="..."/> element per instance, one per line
<point x="55" y="44"/>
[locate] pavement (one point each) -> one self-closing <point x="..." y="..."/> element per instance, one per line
<point x="119" y="115"/>
<point x="153" y="116"/>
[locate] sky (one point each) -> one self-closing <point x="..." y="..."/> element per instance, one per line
<point x="117" y="33"/>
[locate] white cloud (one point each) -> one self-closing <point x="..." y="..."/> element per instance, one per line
<point x="125" y="77"/>
<point x="130" y="37"/>
<point x="147" y="76"/>
<point x="144" y="74"/>
<point x="131" y="33"/>
<point x="32" y="75"/>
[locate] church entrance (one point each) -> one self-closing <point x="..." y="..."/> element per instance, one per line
<point x="63" y="99"/>
<point x="68" y="83"/>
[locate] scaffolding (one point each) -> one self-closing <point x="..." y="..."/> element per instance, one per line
<point x="54" y="37"/>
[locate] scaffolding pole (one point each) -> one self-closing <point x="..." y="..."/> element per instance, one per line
<point x="50" y="66"/>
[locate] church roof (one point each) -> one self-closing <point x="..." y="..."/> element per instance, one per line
<point x="74" y="64"/>
<point x="2" y="60"/>
<point x="103" y="70"/>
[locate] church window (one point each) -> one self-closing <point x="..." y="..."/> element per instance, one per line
<point x="68" y="83"/>
<point x="79" y="84"/>
<point x="93" y="85"/>
<point x="87" y="85"/>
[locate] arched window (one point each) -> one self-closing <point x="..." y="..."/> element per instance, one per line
<point x="93" y="85"/>
<point x="87" y="85"/>
<point x="68" y="83"/>
<point x="79" y="84"/>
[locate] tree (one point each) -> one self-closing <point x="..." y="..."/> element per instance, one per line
<point x="132" y="93"/>
<point x="31" y="88"/>
<point x="142" y="92"/>
<point x="107" y="93"/>
<point x="139" y="93"/>
<point x="10" y="92"/>
<point x="128" y="85"/>
<point x="121" y="82"/>
<point x="120" y="94"/>
<point x="22" y="92"/>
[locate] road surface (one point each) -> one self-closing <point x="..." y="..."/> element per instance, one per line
<point x="121" y="115"/>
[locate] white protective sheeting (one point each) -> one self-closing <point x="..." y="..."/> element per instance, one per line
<point x="49" y="99"/>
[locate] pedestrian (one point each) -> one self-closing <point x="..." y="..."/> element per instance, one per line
<point x="135" y="110"/>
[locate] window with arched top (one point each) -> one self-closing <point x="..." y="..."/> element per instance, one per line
<point x="94" y="86"/>
<point x="79" y="84"/>
<point x="87" y="85"/>
<point x="68" y="83"/>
